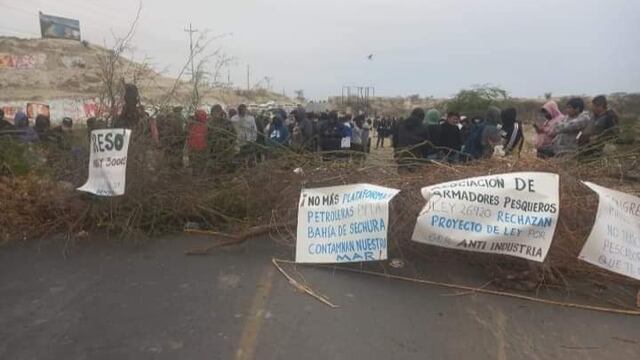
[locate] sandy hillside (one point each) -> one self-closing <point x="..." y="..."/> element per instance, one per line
<point x="43" y="69"/>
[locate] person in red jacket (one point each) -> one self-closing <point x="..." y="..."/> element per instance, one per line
<point x="197" y="141"/>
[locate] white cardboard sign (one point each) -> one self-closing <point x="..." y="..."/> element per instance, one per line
<point x="343" y="224"/>
<point x="614" y="242"/>
<point x="107" y="162"/>
<point x="345" y="143"/>
<point x="511" y="214"/>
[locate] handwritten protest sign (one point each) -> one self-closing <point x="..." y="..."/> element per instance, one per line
<point x="107" y="162"/>
<point x="512" y="214"/>
<point x="343" y="224"/>
<point x="614" y="242"/>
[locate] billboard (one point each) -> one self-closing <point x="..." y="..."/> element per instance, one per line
<point x="59" y="27"/>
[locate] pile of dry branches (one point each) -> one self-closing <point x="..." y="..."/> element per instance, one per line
<point x="161" y="197"/>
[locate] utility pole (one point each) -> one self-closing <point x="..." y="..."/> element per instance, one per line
<point x="248" y="76"/>
<point x="191" y="30"/>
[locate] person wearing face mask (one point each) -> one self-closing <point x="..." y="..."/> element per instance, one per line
<point x="544" y="132"/>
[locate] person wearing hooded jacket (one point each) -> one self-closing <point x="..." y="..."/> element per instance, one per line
<point x="434" y="134"/>
<point x="484" y="136"/>
<point x="513" y="135"/>
<point x="544" y="132"/>
<point x="412" y="136"/>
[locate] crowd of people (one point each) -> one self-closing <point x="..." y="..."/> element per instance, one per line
<point x="455" y="138"/>
<point x="217" y="140"/>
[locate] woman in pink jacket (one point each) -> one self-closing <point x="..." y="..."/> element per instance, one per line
<point x="544" y="132"/>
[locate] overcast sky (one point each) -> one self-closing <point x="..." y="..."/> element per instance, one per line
<point x="429" y="47"/>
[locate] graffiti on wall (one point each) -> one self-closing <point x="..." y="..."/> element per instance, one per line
<point x="29" y="61"/>
<point x="77" y="109"/>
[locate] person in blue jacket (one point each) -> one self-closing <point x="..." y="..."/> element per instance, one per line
<point x="278" y="133"/>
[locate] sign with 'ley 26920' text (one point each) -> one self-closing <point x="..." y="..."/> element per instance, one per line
<point x="107" y="162"/>
<point x="512" y="214"/>
<point x="343" y="224"/>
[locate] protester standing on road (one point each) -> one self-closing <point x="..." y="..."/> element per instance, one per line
<point x="330" y="134"/>
<point x="303" y="129"/>
<point x="221" y="141"/>
<point x="197" y="142"/>
<point x="383" y="128"/>
<point x="247" y="134"/>
<point x="366" y="138"/>
<point x="278" y="133"/>
<point x="356" y="134"/>
<point x="412" y="134"/>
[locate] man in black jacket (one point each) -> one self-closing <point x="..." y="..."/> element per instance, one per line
<point x="411" y="140"/>
<point x="449" y="140"/>
<point x="602" y="128"/>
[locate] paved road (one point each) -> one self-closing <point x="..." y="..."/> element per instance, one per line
<point x="115" y="302"/>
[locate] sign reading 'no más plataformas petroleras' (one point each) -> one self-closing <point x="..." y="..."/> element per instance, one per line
<point x="343" y="224"/>
<point x="511" y="214"/>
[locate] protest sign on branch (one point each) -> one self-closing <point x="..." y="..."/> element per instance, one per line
<point x="614" y="242"/>
<point x="343" y="224"/>
<point x="107" y="162"/>
<point x="512" y="214"/>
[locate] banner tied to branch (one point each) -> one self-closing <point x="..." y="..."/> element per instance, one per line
<point x="512" y="214"/>
<point x="343" y="224"/>
<point x="107" y="162"/>
<point x="614" y="242"/>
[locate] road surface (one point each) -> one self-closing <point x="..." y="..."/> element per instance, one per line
<point x="107" y="301"/>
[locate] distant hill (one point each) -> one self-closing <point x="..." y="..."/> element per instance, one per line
<point x="44" y="69"/>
